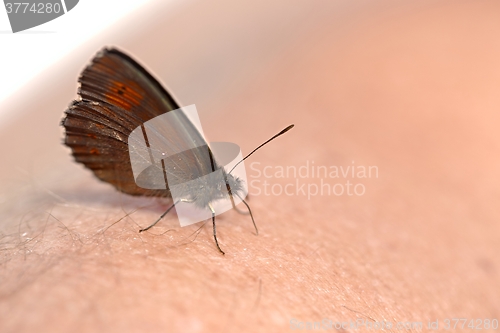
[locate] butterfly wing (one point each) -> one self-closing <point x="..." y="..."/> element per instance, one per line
<point x="116" y="96"/>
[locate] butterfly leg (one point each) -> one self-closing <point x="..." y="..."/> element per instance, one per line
<point x="215" y="232"/>
<point x="162" y="216"/>
<point x="249" y="212"/>
<point x="234" y="205"/>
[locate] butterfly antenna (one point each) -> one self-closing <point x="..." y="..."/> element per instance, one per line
<point x="271" y="139"/>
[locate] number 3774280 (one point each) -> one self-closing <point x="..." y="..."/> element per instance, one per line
<point x="35" y="8"/>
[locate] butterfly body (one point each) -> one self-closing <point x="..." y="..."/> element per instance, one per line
<point x="215" y="187"/>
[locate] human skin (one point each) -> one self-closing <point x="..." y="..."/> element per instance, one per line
<point x="409" y="89"/>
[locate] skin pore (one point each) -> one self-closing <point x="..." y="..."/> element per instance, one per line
<point x="405" y="89"/>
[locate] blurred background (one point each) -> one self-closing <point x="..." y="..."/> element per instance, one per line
<point x="409" y="87"/>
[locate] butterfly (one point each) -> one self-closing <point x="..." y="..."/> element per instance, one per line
<point x="116" y="96"/>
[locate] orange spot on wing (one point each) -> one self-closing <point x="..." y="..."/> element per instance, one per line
<point x="125" y="94"/>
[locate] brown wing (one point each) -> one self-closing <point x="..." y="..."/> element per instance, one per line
<point x="116" y="95"/>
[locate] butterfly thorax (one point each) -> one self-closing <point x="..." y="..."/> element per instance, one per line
<point x="215" y="186"/>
